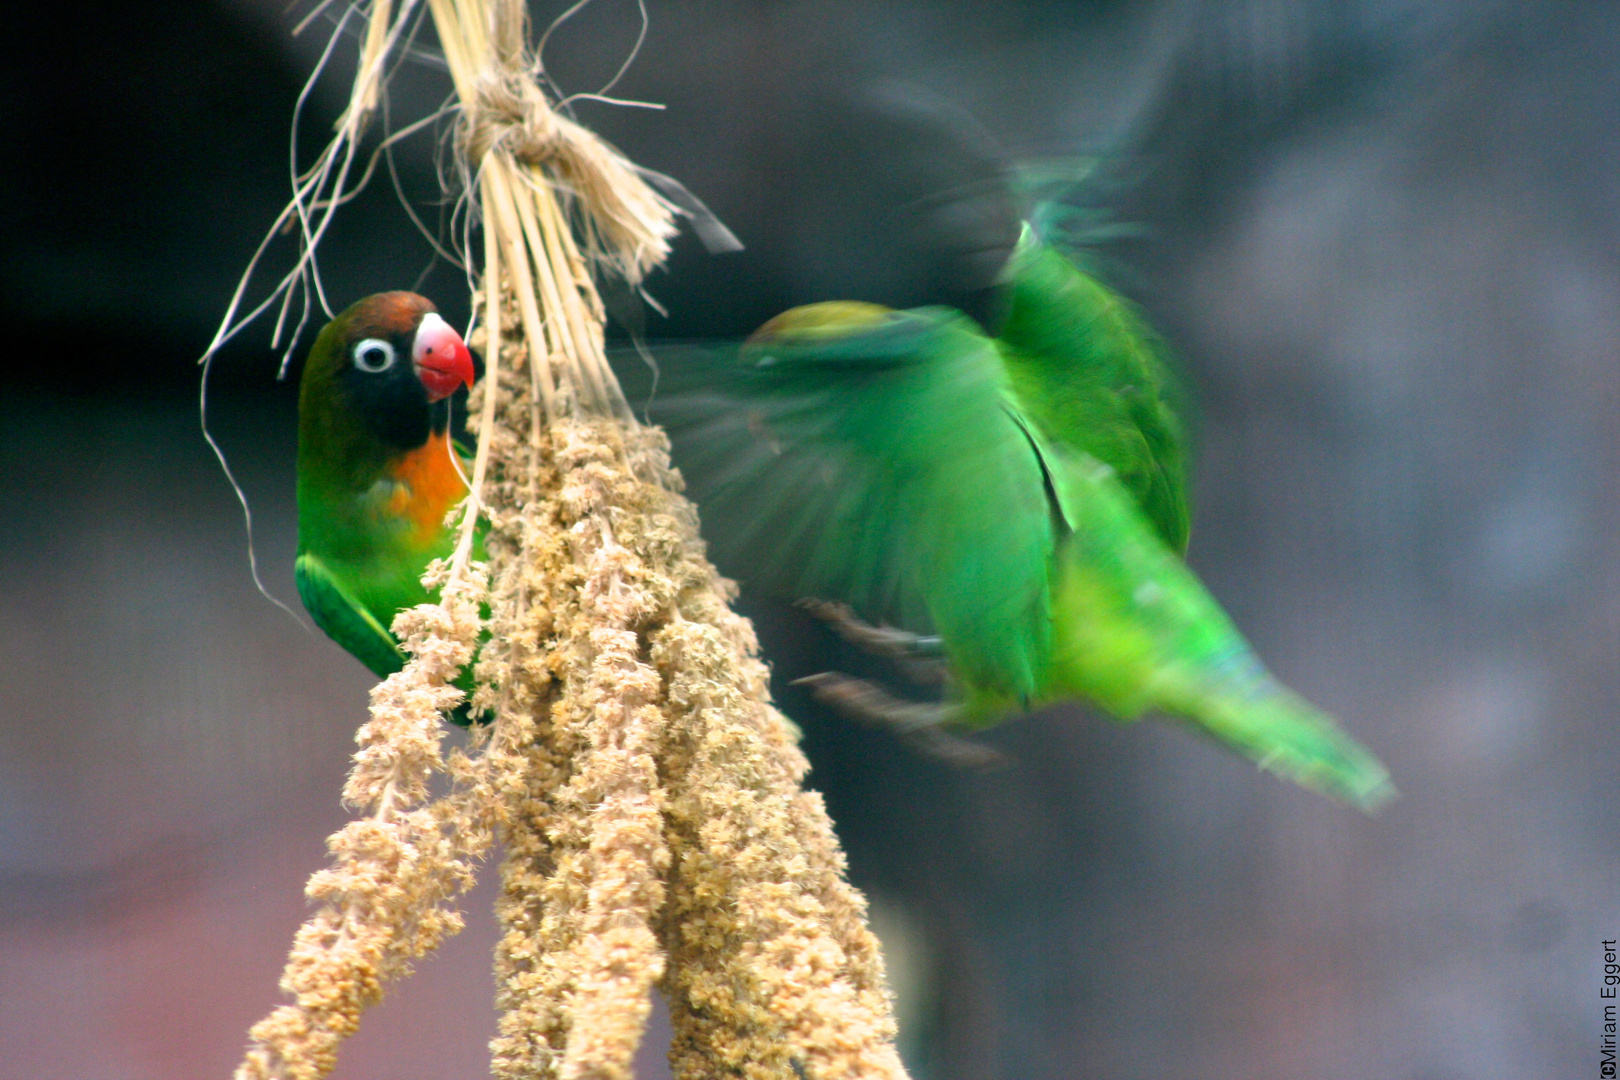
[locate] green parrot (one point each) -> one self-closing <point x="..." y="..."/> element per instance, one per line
<point x="1021" y="498"/>
<point x="377" y="469"/>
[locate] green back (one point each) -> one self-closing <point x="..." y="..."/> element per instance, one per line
<point x="870" y="456"/>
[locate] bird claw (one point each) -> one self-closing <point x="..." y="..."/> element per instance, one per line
<point x="921" y="659"/>
<point x="918" y="724"/>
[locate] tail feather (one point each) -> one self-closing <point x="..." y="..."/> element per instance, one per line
<point x="1286" y="735"/>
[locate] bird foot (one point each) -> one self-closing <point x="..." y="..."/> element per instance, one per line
<point x="919" y="725"/>
<point x="921" y="659"/>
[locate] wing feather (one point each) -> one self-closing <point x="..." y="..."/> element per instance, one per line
<point x="873" y="460"/>
<point x="1094" y="377"/>
<point x="345" y="620"/>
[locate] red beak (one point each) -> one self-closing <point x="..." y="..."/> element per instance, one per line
<point x="441" y="358"/>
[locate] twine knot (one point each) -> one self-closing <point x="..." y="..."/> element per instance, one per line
<point x="626" y="225"/>
<point x="509" y="111"/>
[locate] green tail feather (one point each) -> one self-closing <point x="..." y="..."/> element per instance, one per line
<point x="1286" y="735"/>
<point x="1135" y="630"/>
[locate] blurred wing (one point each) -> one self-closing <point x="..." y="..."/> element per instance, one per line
<point x="1137" y="630"/>
<point x="869" y="456"/>
<point x="345" y="621"/>
<point x="1093" y="376"/>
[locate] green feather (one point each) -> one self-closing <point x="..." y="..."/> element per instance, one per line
<point x="1135" y="630"/>
<point x="362" y="545"/>
<point x="869" y="455"/>
<point x="346" y="620"/>
<point x="1093" y="376"/>
<point x="1023" y="496"/>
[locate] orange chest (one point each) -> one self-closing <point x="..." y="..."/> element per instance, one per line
<point x="426" y="483"/>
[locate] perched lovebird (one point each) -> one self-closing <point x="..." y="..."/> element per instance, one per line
<point x="1020" y="498"/>
<point x="377" y="471"/>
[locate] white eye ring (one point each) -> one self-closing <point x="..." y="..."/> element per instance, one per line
<point x="374" y="355"/>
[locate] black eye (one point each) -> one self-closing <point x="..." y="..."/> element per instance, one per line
<point x="373" y="355"/>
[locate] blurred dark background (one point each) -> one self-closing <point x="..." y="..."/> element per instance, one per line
<point x="1382" y="236"/>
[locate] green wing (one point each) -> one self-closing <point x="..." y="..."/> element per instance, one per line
<point x="344" y="620"/>
<point x="1093" y="377"/>
<point x="868" y="455"/>
<point x="1135" y="629"/>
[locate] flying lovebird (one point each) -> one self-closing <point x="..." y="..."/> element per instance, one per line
<point x="1013" y="504"/>
<point x="378" y="470"/>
